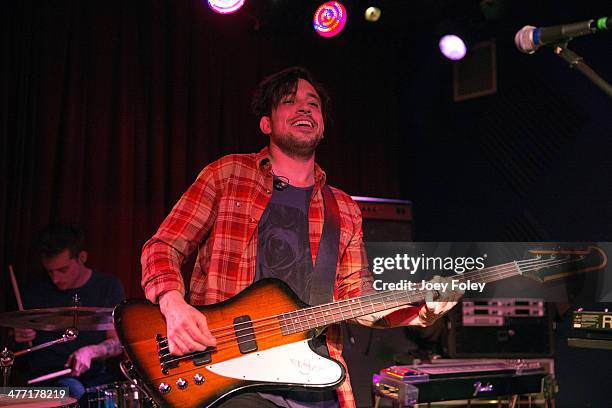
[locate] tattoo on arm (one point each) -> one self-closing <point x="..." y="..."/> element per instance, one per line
<point x="107" y="348"/>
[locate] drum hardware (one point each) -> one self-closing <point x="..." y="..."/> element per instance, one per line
<point x="6" y="363"/>
<point x="7" y="357"/>
<point x="69" y="335"/>
<point x="128" y="370"/>
<point x="52" y="319"/>
<point x="117" y="395"/>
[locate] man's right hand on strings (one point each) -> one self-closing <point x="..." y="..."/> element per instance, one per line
<point x="187" y="327"/>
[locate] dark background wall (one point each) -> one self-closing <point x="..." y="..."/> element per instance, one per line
<point x="531" y="162"/>
<point x="110" y="109"/>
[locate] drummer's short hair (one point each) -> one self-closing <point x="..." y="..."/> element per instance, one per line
<point x="55" y="238"/>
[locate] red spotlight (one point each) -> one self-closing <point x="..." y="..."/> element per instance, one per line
<point x="329" y="19"/>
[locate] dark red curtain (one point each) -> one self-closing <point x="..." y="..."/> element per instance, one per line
<point x="109" y="110"/>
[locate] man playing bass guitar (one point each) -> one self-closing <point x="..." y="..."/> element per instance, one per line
<point x="269" y="215"/>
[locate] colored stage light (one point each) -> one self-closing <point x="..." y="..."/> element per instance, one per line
<point x="225" y="6"/>
<point x="372" y="14"/>
<point x="329" y="19"/>
<point x="452" y="47"/>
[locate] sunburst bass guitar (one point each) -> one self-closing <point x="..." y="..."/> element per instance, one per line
<point x="263" y="335"/>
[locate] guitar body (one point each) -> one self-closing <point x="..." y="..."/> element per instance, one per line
<point x="254" y="350"/>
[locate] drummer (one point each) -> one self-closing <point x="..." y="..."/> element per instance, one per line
<point x="64" y="260"/>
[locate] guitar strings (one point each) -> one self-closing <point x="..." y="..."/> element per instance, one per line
<point x="506" y="273"/>
<point x="343" y="303"/>
<point x="339" y="306"/>
<point x="508" y="265"/>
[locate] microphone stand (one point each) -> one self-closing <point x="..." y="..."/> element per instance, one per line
<point x="576" y="61"/>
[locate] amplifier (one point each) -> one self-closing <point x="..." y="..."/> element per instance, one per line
<point x="496" y="312"/>
<point x="597" y="321"/>
<point x="501" y="328"/>
<point x="385" y="219"/>
<point x="591" y="330"/>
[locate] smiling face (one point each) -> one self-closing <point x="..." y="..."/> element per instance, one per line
<point x="296" y="124"/>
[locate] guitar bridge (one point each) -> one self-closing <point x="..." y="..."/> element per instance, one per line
<point x="166" y="360"/>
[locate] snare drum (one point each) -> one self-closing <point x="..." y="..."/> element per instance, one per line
<point x="116" y="395"/>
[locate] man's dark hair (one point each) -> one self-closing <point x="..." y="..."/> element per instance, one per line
<point x="56" y="238"/>
<point x="275" y="87"/>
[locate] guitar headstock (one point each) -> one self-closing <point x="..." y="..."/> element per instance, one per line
<point x="551" y="264"/>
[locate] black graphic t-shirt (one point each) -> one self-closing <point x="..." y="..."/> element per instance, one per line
<point x="283" y="246"/>
<point x="283" y="252"/>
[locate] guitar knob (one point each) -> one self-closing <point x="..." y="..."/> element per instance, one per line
<point x="164" y="388"/>
<point x="181" y="383"/>
<point x="198" y="379"/>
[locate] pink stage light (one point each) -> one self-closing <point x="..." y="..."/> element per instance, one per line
<point x="329" y="19"/>
<point x="225" y="6"/>
<point x="452" y="47"/>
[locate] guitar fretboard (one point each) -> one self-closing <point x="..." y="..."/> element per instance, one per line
<point x="317" y="316"/>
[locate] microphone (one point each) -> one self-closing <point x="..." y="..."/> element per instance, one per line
<point x="528" y="39"/>
<point x="280" y="184"/>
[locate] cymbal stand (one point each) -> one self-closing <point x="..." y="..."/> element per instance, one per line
<point x="7" y="357"/>
<point x="76" y="301"/>
<point x="6" y="363"/>
<point x="69" y="335"/>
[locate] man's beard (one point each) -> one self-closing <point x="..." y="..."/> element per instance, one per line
<point x="297" y="148"/>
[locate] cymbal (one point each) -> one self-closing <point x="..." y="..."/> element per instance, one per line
<point x="60" y="318"/>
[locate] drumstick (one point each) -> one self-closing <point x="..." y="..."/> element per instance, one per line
<point x="15" y="288"/>
<point x="17" y="294"/>
<point x="50" y="376"/>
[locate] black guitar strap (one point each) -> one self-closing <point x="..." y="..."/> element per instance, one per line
<point x="324" y="272"/>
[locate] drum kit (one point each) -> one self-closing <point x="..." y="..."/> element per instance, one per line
<point x="118" y="394"/>
<point x="68" y="320"/>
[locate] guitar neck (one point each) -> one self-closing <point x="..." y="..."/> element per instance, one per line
<point x="335" y="312"/>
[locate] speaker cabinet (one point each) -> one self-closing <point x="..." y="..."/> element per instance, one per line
<point x="385" y="219"/>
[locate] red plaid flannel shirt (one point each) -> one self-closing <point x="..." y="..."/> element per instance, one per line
<point x="218" y="216"/>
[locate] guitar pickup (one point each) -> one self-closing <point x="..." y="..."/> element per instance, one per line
<point x="245" y="335"/>
<point x="202" y="358"/>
